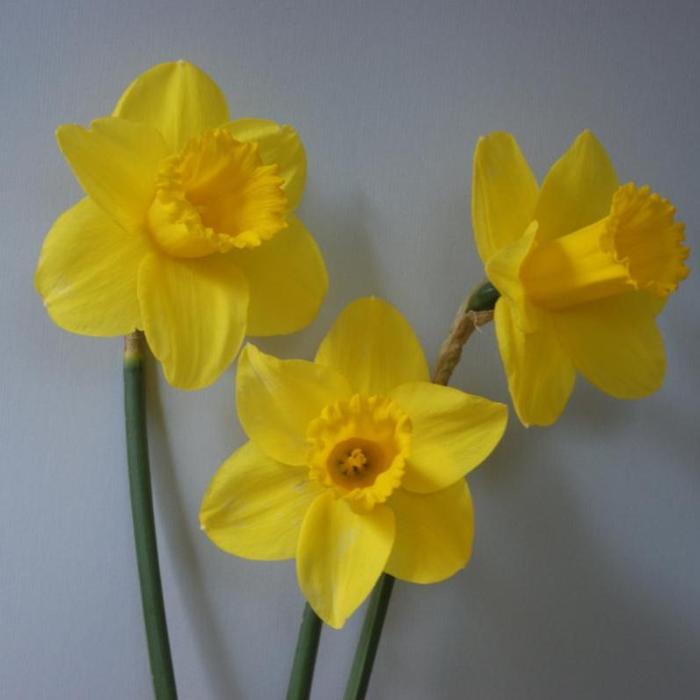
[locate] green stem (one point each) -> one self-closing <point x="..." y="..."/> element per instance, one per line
<point x="144" y="525"/>
<point x="366" y="651"/>
<point x="305" y="656"/>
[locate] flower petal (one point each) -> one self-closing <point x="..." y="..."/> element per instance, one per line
<point x="504" y="193"/>
<point x="578" y="188"/>
<point x="434" y="534"/>
<point x="279" y="144"/>
<point x="178" y="99"/>
<point x="452" y="433"/>
<point x="194" y="313"/>
<point x="277" y="399"/>
<point x="341" y="555"/>
<point x="373" y="346"/>
<point x="254" y="506"/>
<point x="503" y="271"/>
<point x="540" y="373"/>
<point x="616" y="344"/>
<point x="115" y="162"/>
<point x="287" y="279"/>
<point x="87" y="272"/>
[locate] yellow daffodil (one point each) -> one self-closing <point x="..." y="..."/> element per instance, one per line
<point x="355" y="463"/>
<point x="583" y="266"/>
<point x="187" y="230"/>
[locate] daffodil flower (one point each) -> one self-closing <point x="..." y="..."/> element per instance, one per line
<point x="583" y="266"/>
<point x="187" y="231"/>
<point x="355" y="463"/>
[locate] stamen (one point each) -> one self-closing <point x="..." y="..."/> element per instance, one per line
<point x="354" y="463"/>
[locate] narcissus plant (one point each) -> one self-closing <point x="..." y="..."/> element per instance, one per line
<point x="187" y="231"/>
<point x="355" y="464"/>
<point x="583" y="266"/>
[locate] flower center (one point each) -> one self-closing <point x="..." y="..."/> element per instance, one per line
<point x="637" y="246"/>
<point x="359" y="448"/>
<point x="352" y="462"/>
<point x="215" y="195"/>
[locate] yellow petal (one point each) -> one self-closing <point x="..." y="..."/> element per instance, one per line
<point x="193" y="313"/>
<point x="287" y="280"/>
<point x="578" y="189"/>
<point x="277" y="399"/>
<point x="504" y="192"/>
<point x="341" y="555"/>
<point x="87" y="272"/>
<point x="254" y="506"/>
<point x="434" y="534"/>
<point x="279" y="144"/>
<point x="452" y="432"/>
<point x="372" y="345"/>
<point x="503" y="271"/>
<point x="177" y="98"/>
<point x="540" y="373"/>
<point x="115" y="162"/>
<point x="616" y="344"/>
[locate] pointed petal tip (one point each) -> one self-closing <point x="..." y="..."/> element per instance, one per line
<point x="483" y="139"/>
<point x="372" y="344"/>
<point x="250" y="353"/>
<point x="248" y="348"/>
<point x="63" y="132"/>
<point x="176" y="97"/>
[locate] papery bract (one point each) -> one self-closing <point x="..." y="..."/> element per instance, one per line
<point x="355" y="463"/>
<point x="187" y="231"/>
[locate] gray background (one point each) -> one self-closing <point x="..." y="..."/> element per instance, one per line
<point x="585" y="582"/>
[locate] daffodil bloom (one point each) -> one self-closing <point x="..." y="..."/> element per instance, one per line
<point x="187" y="231"/>
<point x="583" y="266"/>
<point x="355" y="463"/>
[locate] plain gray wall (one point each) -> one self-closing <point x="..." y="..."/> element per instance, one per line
<point x="585" y="582"/>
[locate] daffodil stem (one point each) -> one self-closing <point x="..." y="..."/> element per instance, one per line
<point x="362" y="664"/>
<point x="144" y="524"/>
<point x="476" y="310"/>
<point x="305" y="656"/>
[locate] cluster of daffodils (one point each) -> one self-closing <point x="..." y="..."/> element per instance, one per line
<point x="355" y="463"/>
